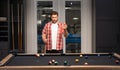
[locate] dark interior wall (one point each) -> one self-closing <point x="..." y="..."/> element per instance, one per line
<point x="9" y="19"/>
<point x="107" y="26"/>
<point x="4" y="44"/>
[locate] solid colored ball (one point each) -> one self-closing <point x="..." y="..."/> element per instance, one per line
<point x="81" y="55"/>
<point x="56" y="63"/>
<point x="49" y="62"/>
<point x="65" y="62"/>
<point x="117" y="61"/>
<point x="86" y="57"/>
<point x="85" y="63"/>
<point x="43" y="54"/>
<point x="76" y="60"/>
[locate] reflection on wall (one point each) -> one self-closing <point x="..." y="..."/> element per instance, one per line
<point x="73" y="20"/>
<point x="44" y="9"/>
<point x="73" y="42"/>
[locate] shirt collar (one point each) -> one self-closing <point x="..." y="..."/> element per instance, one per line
<point x="56" y="23"/>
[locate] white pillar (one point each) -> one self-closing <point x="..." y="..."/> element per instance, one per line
<point x="61" y="11"/>
<point x="86" y="26"/>
<point x="30" y="26"/>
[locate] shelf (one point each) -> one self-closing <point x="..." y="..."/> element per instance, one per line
<point x="3" y="19"/>
<point x="3" y="36"/>
<point x="3" y="31"/>
<point x="5" y="39"/>
<point x="3" y="26"/>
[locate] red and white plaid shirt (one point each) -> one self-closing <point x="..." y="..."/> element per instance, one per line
<point x="47" y="31"/>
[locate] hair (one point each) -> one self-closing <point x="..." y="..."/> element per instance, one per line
<point x="54" y="13"/>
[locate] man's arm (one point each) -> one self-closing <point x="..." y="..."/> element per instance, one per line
<point x="65" y="32"/>
<point x="44" y="37"/>
<point x="65" y="29"/>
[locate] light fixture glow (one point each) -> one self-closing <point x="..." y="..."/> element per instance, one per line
<point x="75" y="18"/>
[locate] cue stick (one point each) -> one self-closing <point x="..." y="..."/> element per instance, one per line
<point x="44" y="49"/>
<point x="21" y="28"/>
<point x="13" y="47"/>
<point x="18" y="27"/>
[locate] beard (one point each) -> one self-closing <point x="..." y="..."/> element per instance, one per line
<point x="54" y="21"/>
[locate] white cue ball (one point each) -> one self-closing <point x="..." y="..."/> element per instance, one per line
<point x="37" y="55"/>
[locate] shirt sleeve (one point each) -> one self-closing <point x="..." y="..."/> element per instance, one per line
<point x="44" y="29"/>
<point x="62" y="28"/>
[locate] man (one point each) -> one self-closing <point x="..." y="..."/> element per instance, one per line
<point x="52" y="34"/>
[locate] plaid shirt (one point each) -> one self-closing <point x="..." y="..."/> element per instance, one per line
<point x="47" y="31"/>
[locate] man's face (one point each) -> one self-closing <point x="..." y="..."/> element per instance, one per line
<point x="54" y="18"/>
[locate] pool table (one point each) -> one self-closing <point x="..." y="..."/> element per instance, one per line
<point x="58" y="61"/>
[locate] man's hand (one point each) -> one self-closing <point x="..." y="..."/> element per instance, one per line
<point x="44" y="38"/>
<point x="64" y="26"/>
<point x="65" y="29"/>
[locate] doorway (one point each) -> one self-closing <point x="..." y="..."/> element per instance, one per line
<point x="69" y="12"/>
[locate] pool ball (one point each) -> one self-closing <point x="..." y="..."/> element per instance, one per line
<point x="76" y="60"/>
<point x="110" y="56"/>
<point x="43" y="54"/>
<point x="49" y="62"/>
<point x="85" y="63"/>
<point x="117" y="61"/>
<point x="37" y="55"/>
<point x="98" y="54"/>
<point x="86" y="57"/>
<point x="65" y="62"/>
<point x="56" y="63"/>
<point x="53" y="60"/>
<point x="81" y="55"/>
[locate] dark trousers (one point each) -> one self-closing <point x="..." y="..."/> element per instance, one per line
<point x="54" y="51"/>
